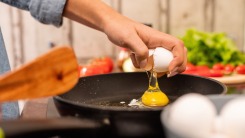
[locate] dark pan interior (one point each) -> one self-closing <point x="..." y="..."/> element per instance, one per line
<point x="82" y="101"/>
<point x="98" y="91"/>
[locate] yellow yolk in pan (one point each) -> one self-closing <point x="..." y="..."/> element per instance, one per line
<point x="155" y="99"/>
<point x="158" y="62"/>
<point x="154" y="96"/>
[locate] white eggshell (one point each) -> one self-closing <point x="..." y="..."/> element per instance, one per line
<point x="159" y="59"/>
<point x="233" y="118"/>
<point x="217" y="128"/>
<point x="218" y="125"/>
<point x="217" y="135"/>
<point x="192" y="116"/>
<point x="162" y="57"/>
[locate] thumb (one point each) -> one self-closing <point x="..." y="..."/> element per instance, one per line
<point x="140" y="52"/>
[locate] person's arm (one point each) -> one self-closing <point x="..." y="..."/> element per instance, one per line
<point x="120" y="30"/>
<point x="125" y="32"/>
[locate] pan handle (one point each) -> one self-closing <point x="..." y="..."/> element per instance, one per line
<point x="72" y="127"/>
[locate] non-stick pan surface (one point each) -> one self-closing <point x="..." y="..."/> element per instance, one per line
<point x="96" y="91"/>
<point x="98" y="98"/>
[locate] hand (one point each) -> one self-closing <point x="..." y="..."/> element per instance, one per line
<point x="126" y="33"/>
<point x="139" y="38"/>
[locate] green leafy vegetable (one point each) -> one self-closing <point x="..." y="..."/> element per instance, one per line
<point x="206" y="48"/>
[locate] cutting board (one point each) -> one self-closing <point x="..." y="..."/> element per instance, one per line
<point x="233" y="79"/>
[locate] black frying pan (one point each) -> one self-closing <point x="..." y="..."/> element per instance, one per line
<point x="95" y="108"/>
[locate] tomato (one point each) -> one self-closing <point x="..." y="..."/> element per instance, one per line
<point x="88" y="70"/>
<point x="228" y="69"/>
<point x="190" y="67"/>
<point x="240" y="69"/>
<point x="203" y="72"/>
<point x="218" y="66"/>
<point x="216" y="73"/>
<point x="102" y="66"/>
<point x="109" y="62"/>
<point x="200" y="70"/>
<point x="95" y="66"/>
<point x="104" y="63"/>
<point x="79" y="68"/>
<point x="202" y="67"/>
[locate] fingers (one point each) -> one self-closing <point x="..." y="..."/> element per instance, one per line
<point x="133" y="59"/>
<point x="154" y="38"/>
<point x="161" y="74"/>
<point x="146" y="38"/>
<point x="139" y="51"/>
<point x="178" y="64"/>
<point x="183" y="66"/>
<point x="176" y="46"/>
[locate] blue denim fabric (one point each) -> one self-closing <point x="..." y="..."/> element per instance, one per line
<point x="45" y="11"/>
<point x="9" y="110"/>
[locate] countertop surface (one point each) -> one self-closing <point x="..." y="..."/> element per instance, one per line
<point x="36" y="108"/>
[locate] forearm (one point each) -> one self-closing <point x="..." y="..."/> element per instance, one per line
<point x="92" y="13"/>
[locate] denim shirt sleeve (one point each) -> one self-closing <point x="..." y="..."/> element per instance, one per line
<point x="45" y="11"/>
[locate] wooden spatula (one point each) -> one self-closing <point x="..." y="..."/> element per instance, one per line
<point x="51" y="74"/>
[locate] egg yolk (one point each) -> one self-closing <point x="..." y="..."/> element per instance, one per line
<point x="155" y="99"/>
<point x="154" y="96"/>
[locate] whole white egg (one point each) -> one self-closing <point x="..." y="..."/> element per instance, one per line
<point x="159" y="59"/>
<point x="233" y="118"/>
<point x="192" y="115"/>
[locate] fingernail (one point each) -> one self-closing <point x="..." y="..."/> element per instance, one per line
<point x="171" y="74"/>
<point x="143" y="63"/>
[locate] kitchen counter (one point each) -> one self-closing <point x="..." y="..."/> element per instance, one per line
<point x="36" y="108"/>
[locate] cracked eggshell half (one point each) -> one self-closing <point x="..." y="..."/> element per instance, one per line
<point x="159" y="59"/>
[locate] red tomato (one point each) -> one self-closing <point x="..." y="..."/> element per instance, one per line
<point x="190" y="67"/>
<point x="228" y="69"/>
<point x="200" y="70"/>
<point x="218" y="66"/>
<point x="240" y="69"/>
<point x="79" y="69"/>
<point x="202" y="67"/>
<point x="109" y="62"/>
<point x="203" y="72"/>
<point x="88" y="70"/>
<point x="216" y="73"/>
<point x="104" y="63"/>
<point x="102" y="66"/>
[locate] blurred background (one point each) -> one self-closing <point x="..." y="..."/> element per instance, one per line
<point x="25" y="38"/>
